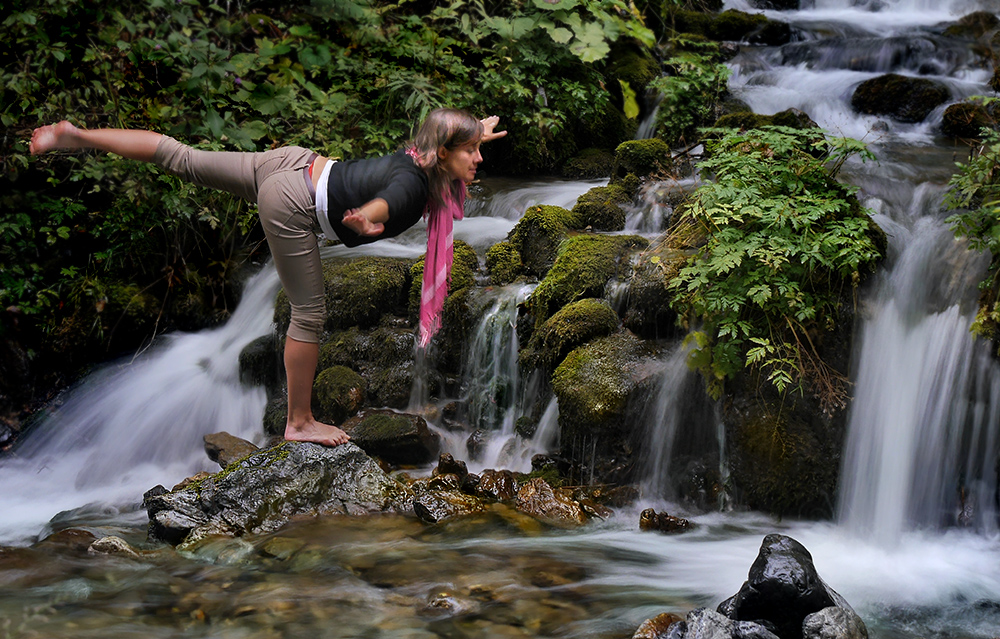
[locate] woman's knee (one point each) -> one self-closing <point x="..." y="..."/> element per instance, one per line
<point x="307" y="322"/>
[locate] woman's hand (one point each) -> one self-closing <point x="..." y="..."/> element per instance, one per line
<point x="355" y="220"/>
<point x="488" y="125"/>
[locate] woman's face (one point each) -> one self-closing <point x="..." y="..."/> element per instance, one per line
<point x="460" y="162"/>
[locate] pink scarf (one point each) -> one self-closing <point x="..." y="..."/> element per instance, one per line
<point x="437" y="263"/>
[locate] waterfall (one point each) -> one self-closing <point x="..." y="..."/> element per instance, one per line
<point x="135" y="424"/>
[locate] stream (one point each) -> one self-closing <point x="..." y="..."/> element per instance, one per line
<point x="924" y="423"/>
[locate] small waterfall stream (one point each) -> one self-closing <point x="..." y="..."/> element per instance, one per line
<point x="923" y="432"/>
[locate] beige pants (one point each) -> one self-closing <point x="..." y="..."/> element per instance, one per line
<point x="278" y="182"/>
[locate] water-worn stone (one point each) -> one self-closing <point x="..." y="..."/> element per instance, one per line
<point x="263" y="491"/>
<point x="899" y="97"/>
<point x="834" y="623"/>
<point x="224" y="448"/>
<point x="657" y="627"/>
<point x="538" y="499"/>
<point x="783" y="588"/>
<point x="966" y="120"/>
<point x="497" y="485"/>
<point x="112" y="545"/>
<point x="447" y="464"/>
<point x="396" y="438"/>
<point x="434" y="506"/>
<point x="649" y="519"/>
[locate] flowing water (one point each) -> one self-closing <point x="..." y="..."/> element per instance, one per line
<point x="920" y="460"/>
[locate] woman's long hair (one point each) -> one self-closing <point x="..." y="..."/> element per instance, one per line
<point x="448" y="128"/>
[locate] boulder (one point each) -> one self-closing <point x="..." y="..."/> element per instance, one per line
<point x="601" y="208"/>
<point x="359" y="292"/>
<point x="225" y="449"/>
<point x="538" y="499"/>
<point x="584" y="265"/>
<point x="572" y="326"/>
<point x="338" y="393"/>
<point x="537" y="236"/>
<point x="657" y="627"/>
<point x="834" y="623"/>
<point x="382" y="356"/>
<point x="448" y="465"/>
<point x="647" y="304"/>
<point x="396" y="438"/>
<point x="708" y="624"/>
<point x="589" y="164"/>
<point x="899" y="97"/>
<point x="263" y="491"/>
<point x="642" y="158"/>
<point x="966" y="120"/>
<point x="783" y="588"/>
<point x="974" y="25"/>
<point x="503" y="263"/>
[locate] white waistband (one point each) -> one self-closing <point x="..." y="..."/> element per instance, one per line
<point x="322" y="203"/>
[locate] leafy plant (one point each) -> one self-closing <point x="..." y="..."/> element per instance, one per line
<point x="785" y="241"/>
<point x="694" y="84"/>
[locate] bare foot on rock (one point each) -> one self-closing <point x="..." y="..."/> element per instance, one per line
<point x="316" y="432"/>
<point x="53" y="136"/>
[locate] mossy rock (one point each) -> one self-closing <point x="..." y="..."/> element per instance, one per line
<point x="967" y="120"/>
<point x="537" y="236"/>
<point x="601" y="208"/>
<point x="692" y="23"/>
<point x="642" y="158"/>
<point x="275" y="416"/>
<point x="589" y="164"/>
<point x="776" y="5"/>
<point x="899" y="97"/>
<point x="631" y="64"/>
<point x="602" y="387"/>
<point x="261" y="364"/>
<point x="974" y="25"/>
<point x="358" y="292"/>
<point x="647" y="308"/>
<point x="503" y="263"/>
<point x="582" y="269"/>
<point x="745" y="120"/>
<point x="383" y="356"/>
<point x="464" y="265"/>
<point x="572" y="326"/>
<point x="396" y="438"/>
<point x="338" y="393"/>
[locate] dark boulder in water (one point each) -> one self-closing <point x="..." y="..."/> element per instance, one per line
<point x="783" y="598"/>
<point x="899" y="97"/>
<point x="395" y="438"/>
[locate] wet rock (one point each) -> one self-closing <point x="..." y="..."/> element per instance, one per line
<point x="469" y="483"/>
<point x="537" y="236"/>
<point x="225" y="449"/>
<point x="647" y="307"/>
<point x="601" y="208"/>
<point x="595" y="510"/>
<point x="435" y="506"/>
<point x="448" y="464"/>
<point x="657" y="627"/>
<point x="649" y="519"/>
<point x="745" y="120"/>
<point x="476" y="442"/>
<point x="264" y="490"/>
<point x="503" y="263"/>
<point x="642" y="158"/>
<point x="497" y="485"/>
<point x="193" y="479"/>
<point x="112" y="545"/>
<point x="616" y="496"/>
<point x="707" y="624"/>
<point x="446" y="604"/>
<point x="834" y="623"/>
<point x="966" y="120"/>
<point x="338" y="393"/>
<point x="261" y="364"/>
<point x="71" y="539"/>
<point x="573" y="325"/>
<point x="974" y="25"/>
<point x="538" y="499"/>
<point x="397" y="438"/>
<point x="583" y="267"/>
<point x="899" y="97"/>
<point x="447" y="481"/>
<point x="783" y="588"/>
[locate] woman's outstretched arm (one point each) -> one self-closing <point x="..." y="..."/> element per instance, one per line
<point x="134" y="144"/>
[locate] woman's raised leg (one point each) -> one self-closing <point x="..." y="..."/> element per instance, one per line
<point x="134" y="144"/>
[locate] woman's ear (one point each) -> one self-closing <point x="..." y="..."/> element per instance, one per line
<point x="442" y="153"/>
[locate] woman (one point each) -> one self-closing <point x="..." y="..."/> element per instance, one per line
<point x="297" y="190"/>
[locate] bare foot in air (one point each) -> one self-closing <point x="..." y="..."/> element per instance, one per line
<point x="316" y="432"/>
<point x="53" y="136"/>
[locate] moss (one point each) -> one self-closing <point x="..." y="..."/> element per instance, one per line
<point x="538" y="234"/>
<point x="572" y="326"/>
<point x="692" y="23"/>
<point x="503" y="263"/>
<point x="338" y="393"/>
<point x="582" y="268"/>
<point x="601" y="208"/>
<point x="358" y="292"/>
<point x="464" y="265"/>
<point x="589" y="164"/>
<point x="735" y="25"/>
<point x="643" y="158"/>
<point x="633" y="65"/>
<point x="745" y="120"/>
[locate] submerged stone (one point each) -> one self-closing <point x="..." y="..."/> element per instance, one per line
<point x="538" y="499"/>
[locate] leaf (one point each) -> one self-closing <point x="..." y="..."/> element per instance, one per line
<point x="631" y="107"/>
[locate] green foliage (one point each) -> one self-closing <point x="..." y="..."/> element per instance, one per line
<point x="975" y="196"/>
<point x="348" y="78"/>
<point x="695" y="83"/>
<point x="784" y="242"/>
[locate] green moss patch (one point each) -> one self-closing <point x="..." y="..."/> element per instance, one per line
<point x="601" y="208"/>
<point x="503" y="263"/>
<point x="643" y="158"/>
<point x="572" y="326"/>
<point x="538" y="234"/>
